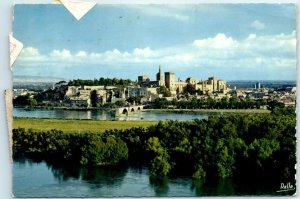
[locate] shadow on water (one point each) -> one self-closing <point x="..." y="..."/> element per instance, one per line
<point x="91" y="175"/>
<point x="233" y="187"/>
<point x="216" y="187"/>
<point x="94" y="177"/>
<point x="160" y="185"/>
<point x="99" y="177"/>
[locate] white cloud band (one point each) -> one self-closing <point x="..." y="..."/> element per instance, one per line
<point x="271" y="51"/>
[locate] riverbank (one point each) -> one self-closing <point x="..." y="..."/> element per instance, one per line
<point x="192" y="111"/>
<point x="79" y="126"/>
<point x="64" y="108"/>
<point x="210" y="111"/>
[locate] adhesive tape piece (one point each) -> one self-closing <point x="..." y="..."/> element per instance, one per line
<point x="78" y="8"/>
<point x="56" y="2"/>
<point x="15" y="49"/>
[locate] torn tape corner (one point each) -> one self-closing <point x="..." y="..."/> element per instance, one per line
<point x="78" y="8"/>
<point x="15" y="47"/>
<point x="56" y="2"/>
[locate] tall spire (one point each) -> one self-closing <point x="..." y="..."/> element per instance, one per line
<point x="159" y="75"/>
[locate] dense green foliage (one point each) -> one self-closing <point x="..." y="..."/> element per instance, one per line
<point x="251" y="146"/>
<point x="134" y="99"/>
<point x="164" y="91"/>
<point x="239" y="146"/>
<point x="190" y="89"/>
<point x="101" y="82"/>
<point x="55" y="146"/>
<point x="24" y="100"/>
<point x="210" y="103"/>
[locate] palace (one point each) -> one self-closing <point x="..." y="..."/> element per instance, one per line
<point x="168" y="80"/>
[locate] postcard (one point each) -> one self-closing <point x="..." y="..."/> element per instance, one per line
<point x="158" y="100"/>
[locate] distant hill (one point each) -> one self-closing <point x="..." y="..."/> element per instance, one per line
<point x="33" y="79"/>
<point x="35" y="83"/>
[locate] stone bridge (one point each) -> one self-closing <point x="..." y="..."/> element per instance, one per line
<point x="128" y="110"/>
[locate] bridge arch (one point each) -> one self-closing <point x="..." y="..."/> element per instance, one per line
<point x="125" y="111"/>
<point x="128" y="110"/>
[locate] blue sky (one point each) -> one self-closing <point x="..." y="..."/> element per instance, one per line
<point x="230" y="41"/>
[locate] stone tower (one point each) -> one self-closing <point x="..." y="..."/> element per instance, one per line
<point x="170" y="80"/>
<point x="160" y="78"/>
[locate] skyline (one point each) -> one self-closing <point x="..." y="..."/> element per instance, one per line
<point x="229" y="41"/>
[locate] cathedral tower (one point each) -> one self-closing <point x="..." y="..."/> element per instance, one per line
<point x="160" y="78"/>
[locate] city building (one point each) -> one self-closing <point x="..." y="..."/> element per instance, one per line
<point x="173" y="85"/>
<point x="211" y="85"/>
<point x="143" y="78"/>
<point x="80" y="102"/>
<point x="257" y="85"/>
<point x="101" y="95"/>
<point x="137" y="91"/>
<point x="144" y="81"/>
<point x="141" y="91"/>
<point x="170" y="80"/>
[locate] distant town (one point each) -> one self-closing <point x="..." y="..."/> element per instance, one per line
<point x="164" y="92"/>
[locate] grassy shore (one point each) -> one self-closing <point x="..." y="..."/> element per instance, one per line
<point x="77" y="125"/>
<point x="212" y="111"/>
<point x="102" y="125"/>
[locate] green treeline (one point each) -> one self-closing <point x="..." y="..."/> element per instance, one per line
<point x="210" y="103"/>
<point x="238" y="146"/>
<point x="101" y="82"/>
<point x="89" y="149"/>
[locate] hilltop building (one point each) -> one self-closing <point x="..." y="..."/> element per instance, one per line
<point x="168" y="80"/>
<point x="173" y="85"/>
<point x="211" y="85"/>
<point x="81" y="96"/>
<point x="144" y="81"/>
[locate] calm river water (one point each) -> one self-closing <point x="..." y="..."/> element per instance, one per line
<point x="31" y="179"/>
<point x="103" y="115"/>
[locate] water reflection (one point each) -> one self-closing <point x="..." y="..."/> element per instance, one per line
<point x="64" y="173"/>
<point x="40" y="179"/>
<point x="91" y="175"/>
<point x="160" y="185"/>
<point x="102" y="115"/>
<point x="100" y="177"/>
<point x="219" y="187"/>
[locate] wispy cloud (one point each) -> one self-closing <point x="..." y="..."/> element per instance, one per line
<point x="258" y="25"/>
<point x="171" y="12"/>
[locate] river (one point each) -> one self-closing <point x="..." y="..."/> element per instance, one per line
<point x="103" y="115"/>
<point x="39" y="179"/>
